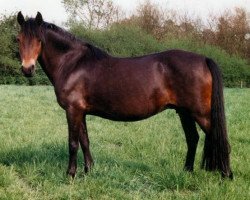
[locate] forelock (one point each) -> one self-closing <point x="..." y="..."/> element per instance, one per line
<point x="30" y="28"/>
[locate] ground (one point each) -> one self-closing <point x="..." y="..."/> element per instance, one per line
<point x="141" y="160"/>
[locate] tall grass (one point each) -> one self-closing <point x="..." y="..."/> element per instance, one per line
<point x="141" y="160"/>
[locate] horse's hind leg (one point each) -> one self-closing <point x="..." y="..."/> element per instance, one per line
<point x="192" y="138"/>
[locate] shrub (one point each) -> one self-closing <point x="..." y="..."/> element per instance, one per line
<point x="121" y="40"/>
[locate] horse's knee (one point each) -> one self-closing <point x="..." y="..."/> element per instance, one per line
<point x="73" y="147"/>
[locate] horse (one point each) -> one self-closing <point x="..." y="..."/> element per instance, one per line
<point x="89" y="81"/>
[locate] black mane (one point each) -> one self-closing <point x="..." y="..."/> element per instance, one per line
<point x="95" y="52"/>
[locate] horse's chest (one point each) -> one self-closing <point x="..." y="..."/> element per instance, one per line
<point x="71" y="98"/>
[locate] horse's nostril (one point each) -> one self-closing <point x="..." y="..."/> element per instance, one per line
<point x="28" y="72"/>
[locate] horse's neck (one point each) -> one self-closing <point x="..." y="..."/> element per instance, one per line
<point x="53" y="59"/>
<point x="48" y="65"/>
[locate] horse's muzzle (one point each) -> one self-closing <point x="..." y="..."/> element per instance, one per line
<point x="28" y="71"/>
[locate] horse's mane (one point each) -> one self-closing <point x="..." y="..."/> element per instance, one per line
<point x="30" y="30"/>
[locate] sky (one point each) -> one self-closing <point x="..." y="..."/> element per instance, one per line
<point x="53" y="10"/>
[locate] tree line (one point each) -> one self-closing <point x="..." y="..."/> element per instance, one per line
<point x="151" y="28"/>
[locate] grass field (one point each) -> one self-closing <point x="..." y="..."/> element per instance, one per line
<point x="141" y="160"/>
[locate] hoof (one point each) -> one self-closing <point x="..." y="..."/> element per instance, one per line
<point x="71" y="173"/>
<point x="189" y="168"/>
<point x="229" y="175"/>
<point x="88" y="167"/>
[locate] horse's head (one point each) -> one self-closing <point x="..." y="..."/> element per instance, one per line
<point x="29" y="40"/>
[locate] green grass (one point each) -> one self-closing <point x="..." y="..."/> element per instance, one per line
<point x="142" y="160"/>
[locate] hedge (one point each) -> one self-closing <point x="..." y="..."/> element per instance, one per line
<point x="124" y="40"/>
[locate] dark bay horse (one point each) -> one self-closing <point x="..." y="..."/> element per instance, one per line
<point x="89" y="81"/>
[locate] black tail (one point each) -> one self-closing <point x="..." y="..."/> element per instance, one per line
<point x="216" y="148"/>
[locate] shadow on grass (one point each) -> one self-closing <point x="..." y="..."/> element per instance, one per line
<point x="29" y="154"/>
<point x="47" y="159"/>
<point x="56" y="155"/>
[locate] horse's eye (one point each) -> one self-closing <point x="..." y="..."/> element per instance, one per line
<point x="17" y="39"/>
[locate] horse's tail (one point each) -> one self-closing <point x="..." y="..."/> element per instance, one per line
<point x="216" y="148"/>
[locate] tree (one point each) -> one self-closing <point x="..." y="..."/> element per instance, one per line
<point x="232" y="29"/>
<point x="150" y="18"/>
<point x="92" y="13"/>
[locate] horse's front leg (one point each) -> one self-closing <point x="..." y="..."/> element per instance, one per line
<point x="84" y="141"/>
<point x="74" y="118"/>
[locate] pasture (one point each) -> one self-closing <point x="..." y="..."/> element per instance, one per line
<point x="139" y="160"/>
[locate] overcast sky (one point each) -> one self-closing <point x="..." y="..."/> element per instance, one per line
<point x="53" y="10"/>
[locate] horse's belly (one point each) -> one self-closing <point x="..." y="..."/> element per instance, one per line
<point x="132" y="109"/>
<point x="120" y="116"/>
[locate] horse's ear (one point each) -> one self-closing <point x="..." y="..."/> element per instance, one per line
<point x="39" y="18"/>
<point x="20" y="18"/>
